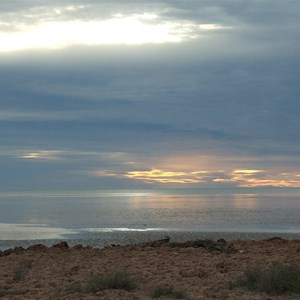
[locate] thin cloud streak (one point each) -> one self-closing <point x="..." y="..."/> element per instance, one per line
<point x="41" y="155"/>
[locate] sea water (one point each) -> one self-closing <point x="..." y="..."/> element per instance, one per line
<point x="119" y="215"/>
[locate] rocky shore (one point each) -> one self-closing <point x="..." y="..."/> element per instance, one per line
<point x="203" y="269"/>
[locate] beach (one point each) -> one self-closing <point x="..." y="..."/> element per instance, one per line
<point x="203" y="269"/>
<point x="52" y="244"/>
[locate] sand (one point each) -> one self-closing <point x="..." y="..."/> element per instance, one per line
<point x="202" y="269"/>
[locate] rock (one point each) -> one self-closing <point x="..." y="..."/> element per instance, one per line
<point x="78" y="247"/>
<point x="206" y="244"/>
<point x="8" y="251"/>
<point x="19" y="249"/>
<point x="37" y="247"/>
<point x="62" y="245"/>
<point x="275" y="238"/>
<point x="222" y="242"/>
<point x="157" y="243"/>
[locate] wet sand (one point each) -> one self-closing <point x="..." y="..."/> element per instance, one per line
<point x="202" y="270"/>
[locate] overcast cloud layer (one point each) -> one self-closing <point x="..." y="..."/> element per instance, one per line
<point x="138" y="94"/>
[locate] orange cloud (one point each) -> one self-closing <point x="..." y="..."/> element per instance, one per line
<point x="161" y="176"/>
<point x="236" y="177"/>
<point x="270" y="182"/>
<point x="156" y="176"/>
<point x="247" y="172"/>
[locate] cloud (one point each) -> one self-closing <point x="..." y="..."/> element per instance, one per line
<point x="41" y="155"/>
<point x="70" y="155"/>
<point x="223" y="101"/>
<point x="154" y="176"/>
<point x="252" y="178"/>
<point x="160" y="176"/>
<point x="247" y="172"/>
<point x="128" y="169"/>
<point x="63" y="26"/>
<point x="247" y="178"/>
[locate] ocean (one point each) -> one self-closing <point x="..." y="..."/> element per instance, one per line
<point x="102" y="217"/>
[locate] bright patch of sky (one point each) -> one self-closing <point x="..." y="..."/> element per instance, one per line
<point x="55" y="29"/>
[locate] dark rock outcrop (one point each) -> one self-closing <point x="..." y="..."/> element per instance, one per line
<point x="61" y="245"/>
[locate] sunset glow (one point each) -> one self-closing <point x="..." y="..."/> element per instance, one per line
<point x="161" y="176"/>
<point x="247" y="178"/>
<point x="247" y="172"/>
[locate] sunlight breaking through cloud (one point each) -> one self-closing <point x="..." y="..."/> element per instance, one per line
<point x="155" y="176"/>
<point x="57" y="28"/>
<point x="260" y="178"/>
<point x="160" y="176"/>
<point x="239" y="178"/>
<point x="125" y="164"/>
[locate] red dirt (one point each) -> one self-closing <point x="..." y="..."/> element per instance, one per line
<point x="204" y="273"/>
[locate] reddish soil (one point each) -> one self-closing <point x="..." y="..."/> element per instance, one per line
<point x="202" y="270"/>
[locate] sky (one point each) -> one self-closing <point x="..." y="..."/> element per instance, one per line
<point x="149" y="94"/>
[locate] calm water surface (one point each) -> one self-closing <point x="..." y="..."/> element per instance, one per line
<point x="51" y="215"/>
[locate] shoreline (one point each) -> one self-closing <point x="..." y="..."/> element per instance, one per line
<point x="104" y="239"/>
